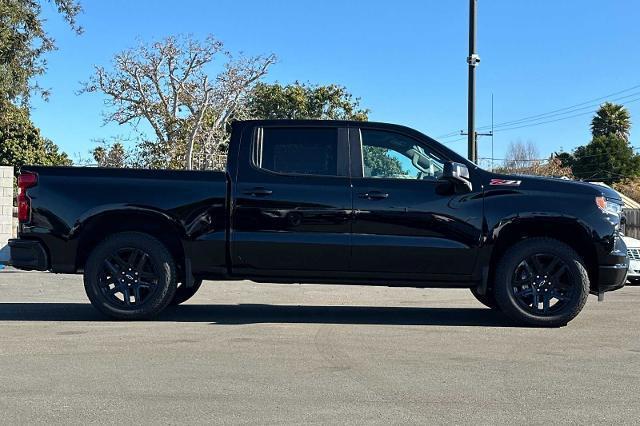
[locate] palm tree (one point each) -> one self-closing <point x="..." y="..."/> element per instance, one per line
<point x="611" y="119"/>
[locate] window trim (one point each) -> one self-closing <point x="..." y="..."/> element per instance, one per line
<point x="357" y="155"/>
<point x="343" y="162"/>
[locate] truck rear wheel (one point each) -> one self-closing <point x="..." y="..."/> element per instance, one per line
<point x="130" y="276"/>
<point x="541" y="282"/>
<point x="185" y="293"/>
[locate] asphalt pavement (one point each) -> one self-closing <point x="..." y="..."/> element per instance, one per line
<point x="241" y="352"/>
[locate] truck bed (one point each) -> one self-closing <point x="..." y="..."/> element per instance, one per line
<point x="67" y="200"/>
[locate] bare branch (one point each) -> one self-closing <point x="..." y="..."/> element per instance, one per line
<point x="165" y="85"/>
<point x="196" y="127"/>
<point x="146" y="107"/>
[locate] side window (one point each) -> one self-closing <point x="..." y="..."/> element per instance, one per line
<point x="394" y="156"/>
<point x="309" y="151"/>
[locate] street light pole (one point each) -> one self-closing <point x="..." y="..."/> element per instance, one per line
<point x="473" y="59"/>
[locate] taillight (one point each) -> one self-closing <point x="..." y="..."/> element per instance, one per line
<point x="25" y="180"/>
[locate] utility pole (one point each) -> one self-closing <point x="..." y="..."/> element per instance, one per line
<point x="474" y="158"/>
<point x="492" y="157"/>
<point x="473" y="59"/>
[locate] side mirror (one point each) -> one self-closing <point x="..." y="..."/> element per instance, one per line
<point x="458" y="175"/>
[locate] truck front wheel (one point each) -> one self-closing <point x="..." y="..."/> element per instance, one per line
<point x="130" y="276"/>
<point x="541" y="282"/>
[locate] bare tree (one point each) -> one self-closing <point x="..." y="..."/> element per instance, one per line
<point x="549" y="167"/>
<point x="522" y="158"/>
<point x="521" y="155"/>
<point x="166" y="85"/>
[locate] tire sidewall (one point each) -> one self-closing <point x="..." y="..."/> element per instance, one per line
<point x="159" y="257"/>
<point x="512" y="258"/>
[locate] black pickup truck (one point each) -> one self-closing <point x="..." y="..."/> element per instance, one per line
<point x="324" y="202"/>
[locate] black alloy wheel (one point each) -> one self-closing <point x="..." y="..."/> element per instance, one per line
<point x="541" y="282"/>
<point x="130" y="276"/>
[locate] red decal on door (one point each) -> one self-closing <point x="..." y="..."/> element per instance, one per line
<point x="505" y="182"/>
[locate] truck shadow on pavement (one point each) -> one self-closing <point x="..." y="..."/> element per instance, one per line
<point x="260" y="313"/>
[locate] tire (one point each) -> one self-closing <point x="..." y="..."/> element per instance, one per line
<point x="488" y="299"/>
<point x="145" y="271"/>
<point x="539" y="271"/>
<point x="634" y="281"/>
<point x="183" y="293"/>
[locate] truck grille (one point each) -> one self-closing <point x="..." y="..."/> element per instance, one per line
<point x="633" y="253"/>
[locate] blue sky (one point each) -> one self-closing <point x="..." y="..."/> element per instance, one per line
<point x="404" y="59"/>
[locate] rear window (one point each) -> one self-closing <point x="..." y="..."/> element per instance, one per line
<point x="309" y="151"/>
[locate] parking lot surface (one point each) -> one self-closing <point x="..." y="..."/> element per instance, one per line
<point x="241" y="352"/>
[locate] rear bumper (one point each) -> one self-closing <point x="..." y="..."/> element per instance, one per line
<point x="613" y="274"/>
<point x="29" y="255"/>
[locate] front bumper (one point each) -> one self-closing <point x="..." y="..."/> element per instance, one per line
<point x="612" y="277"/>
<point x="29" y="255"/>
<point x="613" y="274"/>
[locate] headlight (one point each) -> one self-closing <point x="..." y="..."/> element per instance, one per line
<point x="608" y="206"/>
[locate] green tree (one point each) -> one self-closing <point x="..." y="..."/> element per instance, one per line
<point x="21" y="142"/>
<point x="300" y="101"/>
<point x="113" y="155"/>
<point x="566" y="159"/>
<point x="611" y="119"/>
<point x="23" y="43"/>
<point x="304" y="101"/>
<point x="381" y="163"/>
<point x="606" y="158"/>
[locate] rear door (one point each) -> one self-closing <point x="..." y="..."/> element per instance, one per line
<point x="292" y="209"/>
<point x="405" y="225"/>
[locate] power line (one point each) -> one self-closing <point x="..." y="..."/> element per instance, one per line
<point x="635" y="148"/>
<point x="590" y="107"/>
<point x="448" y="135"/>
<point x="554" y="113"/>
<point x="571" y="108"/>
<point x="503" y="129"/>
<point x="454" y="141"/>
<point x="605" y="173"/>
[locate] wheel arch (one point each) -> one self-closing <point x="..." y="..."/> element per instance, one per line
<point x="96" y="228"/>
<point x="569" y="231"/>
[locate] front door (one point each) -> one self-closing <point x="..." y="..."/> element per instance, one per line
<point x="292" y="207"/>
<point x="405" y="225"/>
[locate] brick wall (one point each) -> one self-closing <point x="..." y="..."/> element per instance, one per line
<point x="7" y="223"/>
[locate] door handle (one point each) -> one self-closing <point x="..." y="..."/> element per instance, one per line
<point x="374" y="195"/>
<point x="258" y="192"/>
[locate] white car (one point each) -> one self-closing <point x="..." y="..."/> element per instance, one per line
<point x="633" y="251"/>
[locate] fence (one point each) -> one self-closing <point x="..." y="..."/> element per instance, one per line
<point x="632" y="226"/>
<point x="215" y="161"/>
